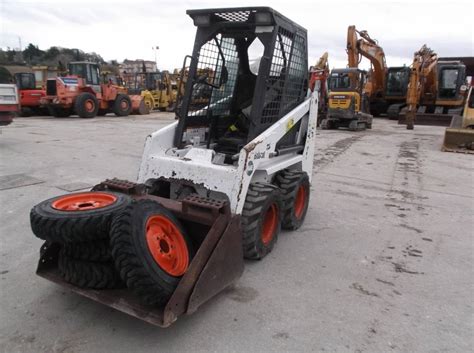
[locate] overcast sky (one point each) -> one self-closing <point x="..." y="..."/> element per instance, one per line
<point x="119" y="29"/>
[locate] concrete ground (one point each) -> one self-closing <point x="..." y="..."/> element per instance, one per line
<point x="384" y="262"/>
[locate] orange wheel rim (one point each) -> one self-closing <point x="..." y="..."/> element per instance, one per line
<point x="300" y="202"/>
<point x="167" y="245"/>
<point x="124" y="105"/>
<point x="89" y="105"/>
<point x="84" y="201"/>
<point x="270" y="222"/>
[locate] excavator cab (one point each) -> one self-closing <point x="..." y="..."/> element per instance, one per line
<point x="396" y="90"/>
<point x="451" y="78"/>
<point x="348" y="106"/>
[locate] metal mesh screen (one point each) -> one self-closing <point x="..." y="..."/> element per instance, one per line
<point x="235" y="16"/>
<point x="295" y="83"/>
<point x="210" y="64"/>
<point x="278" y="71"/>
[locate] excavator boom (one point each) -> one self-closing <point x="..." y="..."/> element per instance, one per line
<point x="360" y="44"/>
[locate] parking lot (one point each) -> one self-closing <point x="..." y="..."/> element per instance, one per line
<point x="383" y="263"/>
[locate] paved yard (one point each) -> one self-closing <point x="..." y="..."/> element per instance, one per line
<point x="384" y="262"/>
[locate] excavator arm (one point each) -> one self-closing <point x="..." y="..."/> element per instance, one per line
<point x="422" y="71"/>
<point x="359" y="44"/>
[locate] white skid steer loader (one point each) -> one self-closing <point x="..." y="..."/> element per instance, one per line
<point x="214" y="187"/>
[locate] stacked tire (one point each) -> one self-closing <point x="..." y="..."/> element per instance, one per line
<point x="110" y="241"/>
<point x="80" y="222"/>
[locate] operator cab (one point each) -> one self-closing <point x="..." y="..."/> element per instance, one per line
<point x="397" y="81"/>
<point x="349" y="79"/>
<point x="226" y="104"/>
<point x="451" y="76"/>
<point x="88" y="71"/>
<point x="25" y="81"/>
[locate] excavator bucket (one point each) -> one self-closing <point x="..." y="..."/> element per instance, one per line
<point x="217" y="263"/>
<point x="457" y="139"/>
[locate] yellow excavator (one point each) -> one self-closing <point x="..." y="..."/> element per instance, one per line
<point x="350" y="92"/>
<point x="459" y="137"/>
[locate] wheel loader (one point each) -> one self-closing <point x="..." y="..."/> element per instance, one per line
<point x="81" y="92"/>
<point x="459" y="137"/>
<point x="214" y="187"/>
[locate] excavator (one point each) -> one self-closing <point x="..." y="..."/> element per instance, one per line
<point x="213" y="187"/>
<point x="351" y="93"/>
<point x="318" y="75"/>
<point x="436" y="90"/>
<point x="365" y="46"/>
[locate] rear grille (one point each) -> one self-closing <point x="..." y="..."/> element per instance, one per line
<point x="51" y="87"/>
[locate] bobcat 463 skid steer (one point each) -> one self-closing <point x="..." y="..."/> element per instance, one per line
<point x="214" y="187"/>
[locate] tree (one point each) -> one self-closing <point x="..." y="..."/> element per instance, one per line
<point x="32" y="53"/>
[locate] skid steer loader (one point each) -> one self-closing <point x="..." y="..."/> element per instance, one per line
<point x="213" y="187"/>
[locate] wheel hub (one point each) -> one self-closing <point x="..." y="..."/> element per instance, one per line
<point x="167" y="245"/>
<point x="84" y="201"/>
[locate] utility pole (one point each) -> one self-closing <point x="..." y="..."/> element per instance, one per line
<point x="155" y="48"/>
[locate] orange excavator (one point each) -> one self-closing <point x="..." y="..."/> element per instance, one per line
<point x="318" y="75"/>
<point x="359" y="44"/>
<point x="436" y="90"/>
<point x="421" y="86"/>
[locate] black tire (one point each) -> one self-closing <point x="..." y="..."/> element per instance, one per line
<point x="26" y="112"/>
<point x="59" y="112"/>
<point x="88" y="274"/>
<point x="97" y="251"/>
<point x="259" y="206"/>
<point x="133" y="257"/>
<point x="86" y="105"/>
<point x="122" y="105"/>
<point x="66" y="226"/>
<point x="295" y="190"/>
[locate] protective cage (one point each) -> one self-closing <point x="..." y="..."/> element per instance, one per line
<point x="217" y="263"/>
<point x="222" y="85"/>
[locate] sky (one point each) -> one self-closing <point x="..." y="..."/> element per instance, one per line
<point x="118" y="29"/>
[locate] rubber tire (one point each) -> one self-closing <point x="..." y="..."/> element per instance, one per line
<point x="88" y="274"/>
<point x="97" y="251"/>
<point x="117" y="109"/>
<point x="260" y="196"/>
<point x="289" y="182"/>
<point x="132" y="258"/>
<point x="64" y="227"/>
<point x="26" y="112"/>
<point x="79" y="105"/>
<point x="59" y="112"/>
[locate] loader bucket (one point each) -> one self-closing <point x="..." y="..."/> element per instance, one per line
<point x="138" y="105"/>
<point x="217" y="263"/>
<point x="458" y="140"/>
